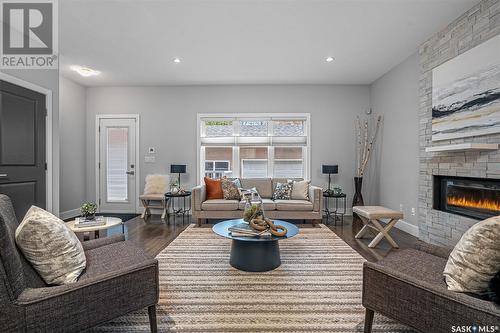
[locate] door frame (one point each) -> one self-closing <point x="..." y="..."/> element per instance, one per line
<point x="137" y="154"/>
<point x="51" y="192"/>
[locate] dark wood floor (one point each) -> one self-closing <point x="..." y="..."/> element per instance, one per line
<point x="154" y="235"/>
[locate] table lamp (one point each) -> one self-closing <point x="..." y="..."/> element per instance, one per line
<point x="330" y="169"/>
<point x="178" y="168"/>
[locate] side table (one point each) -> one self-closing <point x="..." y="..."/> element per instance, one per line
<point x="178" y="203"/>
<point x="336" y="214"/>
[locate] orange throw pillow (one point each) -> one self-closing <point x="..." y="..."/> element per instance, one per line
<point x="214" y="188"/>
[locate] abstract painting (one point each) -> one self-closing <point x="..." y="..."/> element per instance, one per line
<point x="466" y="93"/>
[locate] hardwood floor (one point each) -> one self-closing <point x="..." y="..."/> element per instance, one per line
<point x="154" y="235"/>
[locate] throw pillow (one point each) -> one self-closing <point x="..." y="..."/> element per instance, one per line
<point x="51" y="247"/>
<point x="156" y="184"/>
<point x="300" y="190"/>
<point x="230" y="189"/>
<point x="475" y="259"/>
<point x="283" y="191"/>
<point x="251" y="192"/>
<point x="214" y="188"/>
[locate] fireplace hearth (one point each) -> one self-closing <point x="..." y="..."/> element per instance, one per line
<point x="477" y="198"/>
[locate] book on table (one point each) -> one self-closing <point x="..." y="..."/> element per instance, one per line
<point x="82" y="222"/>
<point x="245" y="230"/>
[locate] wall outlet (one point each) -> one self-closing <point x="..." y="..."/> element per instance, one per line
<point x="149" y="159"/>
<point x="413" y="211"/>
<point x="152" y="150"/>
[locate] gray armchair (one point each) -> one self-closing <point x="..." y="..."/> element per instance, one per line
<point x="119" y="278"/>
<point x="408" y="286"/>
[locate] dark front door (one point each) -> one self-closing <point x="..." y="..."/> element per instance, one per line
<point x="22" y="146"/>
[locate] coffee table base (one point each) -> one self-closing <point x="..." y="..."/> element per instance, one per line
<point x="255" y="256"/>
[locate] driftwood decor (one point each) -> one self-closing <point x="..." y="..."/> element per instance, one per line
<point x="364" y="144"/>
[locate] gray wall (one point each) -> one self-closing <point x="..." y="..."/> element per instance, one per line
<point x="472" y="28"/>
<point x="168" y="121"/>
<point x="395" y="97"/>
<point x="72" y="120"/>
<point x="48" y="79"/>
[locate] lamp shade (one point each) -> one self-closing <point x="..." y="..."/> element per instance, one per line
<point x="177" y="168"/>
<point x="329" y="169"/>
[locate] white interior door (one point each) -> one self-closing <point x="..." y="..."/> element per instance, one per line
<point x="117" y="165"/>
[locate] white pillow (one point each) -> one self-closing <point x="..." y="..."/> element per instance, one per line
<point x="156" y="184"/>
<point x="51" y="247"/>
<point x="300" y="190"/>
<point x="475" y="259"/>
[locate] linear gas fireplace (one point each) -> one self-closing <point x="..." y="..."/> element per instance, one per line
<point x="478" y="198"/>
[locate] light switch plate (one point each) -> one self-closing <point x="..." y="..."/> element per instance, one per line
<point x="149" y="159"/>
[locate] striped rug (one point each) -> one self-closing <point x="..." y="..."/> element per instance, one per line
<point x="316" y="289"/>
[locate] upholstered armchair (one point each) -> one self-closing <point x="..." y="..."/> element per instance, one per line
<point x="119" y="278"/>
<point x="408" y="286"/>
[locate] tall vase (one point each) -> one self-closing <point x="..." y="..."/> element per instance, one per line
<point x="357" y="200"/>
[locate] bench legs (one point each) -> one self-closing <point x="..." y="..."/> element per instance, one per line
<point x="368" y="320"/>
<point x="382" y="231"/>
<point x="152" y="319"/>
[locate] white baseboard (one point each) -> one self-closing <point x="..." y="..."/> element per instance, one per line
<point x="408" y="227"/>
<point x="69" y="214"/>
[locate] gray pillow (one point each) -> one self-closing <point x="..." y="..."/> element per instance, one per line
<point x="475" y="259"/>
<point x="50" y="246"/>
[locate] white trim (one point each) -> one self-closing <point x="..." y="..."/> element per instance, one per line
<point x="408" y="227"/>
<point x="52" y="194"/>
<point x="137" y="155"/>
<point x="69" y="214"/>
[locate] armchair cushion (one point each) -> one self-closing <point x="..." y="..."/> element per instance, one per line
<point x="475" y="259"/>
<point x="50" y="246"/>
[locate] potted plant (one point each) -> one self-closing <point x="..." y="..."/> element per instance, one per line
<point x="88" y="210"/>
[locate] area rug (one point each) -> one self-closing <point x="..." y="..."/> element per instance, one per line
<point x="316" y="289"/>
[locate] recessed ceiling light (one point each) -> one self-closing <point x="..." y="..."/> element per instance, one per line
<point x="177" y="60"/>
<point x="329" y="59"/>
<point x="85" y="71"/>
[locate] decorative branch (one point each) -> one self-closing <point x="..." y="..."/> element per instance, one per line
<point x="365" y="148"/>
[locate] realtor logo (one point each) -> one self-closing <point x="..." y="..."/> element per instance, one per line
<point x="29" y="38"/>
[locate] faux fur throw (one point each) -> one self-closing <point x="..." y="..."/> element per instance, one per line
<point x="156" y="184"/>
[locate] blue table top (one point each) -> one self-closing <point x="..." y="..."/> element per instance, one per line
<point x="221" y="230"/>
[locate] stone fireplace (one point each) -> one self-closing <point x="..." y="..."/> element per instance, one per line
<point x="468" y="178"/>
<point x="478" y="198"/>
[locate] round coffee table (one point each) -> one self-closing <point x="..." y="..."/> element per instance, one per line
<point x="110" y="222"/>
<point x="254" y="254"/>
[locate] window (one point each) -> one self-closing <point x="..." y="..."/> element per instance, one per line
<point x="253" y="161"/>
<point x="218" y="161"/>
<point x="254" y="145"/>
<point x="288" y="162"/>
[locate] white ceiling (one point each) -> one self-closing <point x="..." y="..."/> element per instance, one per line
<point x="245" y="41"/>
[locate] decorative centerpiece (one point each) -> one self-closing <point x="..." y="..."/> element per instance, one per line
<point x="254" y="208"/>
<point x="262" y="224"/>
<point x="174" y="186"/>
<point x="88" y="210"/>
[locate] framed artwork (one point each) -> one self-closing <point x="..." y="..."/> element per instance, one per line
<point x="466" y="93"/>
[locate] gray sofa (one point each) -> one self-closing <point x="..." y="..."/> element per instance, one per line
<point x="311" y="209"/>
<point x="119" y="278"/>
<point x="408" y="286"/>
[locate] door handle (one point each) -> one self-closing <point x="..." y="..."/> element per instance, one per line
<point x="3" y="175"/>
<point x="130" y="173"/>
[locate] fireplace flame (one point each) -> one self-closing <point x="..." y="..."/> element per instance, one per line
<point x="473" y="203"/>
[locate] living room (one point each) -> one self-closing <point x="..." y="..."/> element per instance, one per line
<point x="250" y="166"/>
